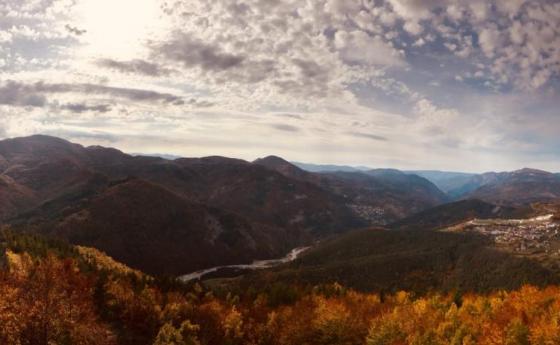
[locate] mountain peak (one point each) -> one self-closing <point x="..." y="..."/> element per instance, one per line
<point x="531" y="171"/>
<point x="40" y="146"/>
<point x="271" y="160"/>
<point x="282" y="166"/>
<point x="37" y="139"/>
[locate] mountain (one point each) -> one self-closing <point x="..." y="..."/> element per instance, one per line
<point x="446" y="181"/>
<point x="378" y="196"/>
<point x="419" y="261"/>
<point x="457" y="212"/>
<point x="473" y="183"/>
<point x="285" y="168"/>
<point x="36" y="169"/>
<point x="164" y="216"/>
<point x="519" y="187"/>
<point x="321" y="168"/>
<point x="159" y="232"/>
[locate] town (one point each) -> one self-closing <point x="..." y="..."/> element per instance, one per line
<point x="524" y="236"/>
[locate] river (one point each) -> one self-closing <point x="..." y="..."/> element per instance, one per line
<point x="256" y="265"/>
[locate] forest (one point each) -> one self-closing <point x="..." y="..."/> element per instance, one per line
<point x="54" y="293"/>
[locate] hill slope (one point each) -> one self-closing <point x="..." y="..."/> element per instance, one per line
<point x="520" y="187"/>
<point x="378" y="196"/>
<point x="421" y="261"/>
<point x="154" y="230"/>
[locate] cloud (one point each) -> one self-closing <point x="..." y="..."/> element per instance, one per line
<point x="136" y="66"/>
<point x="74" y="30"/>
<point x="191" y="52"/>
<point x="489" y="39"/>
<point x="83" y="107"/>
<point x="297" y="57"/>
<point x="21" y="94"/>
<point x="358" y="46"/>
<point x="138" y="95"/>
<point x="413" y="28"/>
<point x="17" y="94"/>
<point x="200" y="104"/>
<point x="284" y="127"/>
<point x="425" y="71"/>
<point x="415" y="9"/>
<point x="367" y="136"/>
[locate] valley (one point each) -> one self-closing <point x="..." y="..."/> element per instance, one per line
<point x="240" y="269"/>
<point x="153" y="248"/>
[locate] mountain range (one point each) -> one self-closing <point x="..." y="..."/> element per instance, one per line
<point x="174" y="216"/>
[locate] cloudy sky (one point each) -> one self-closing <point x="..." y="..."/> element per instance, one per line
<point x="469" y="85"/>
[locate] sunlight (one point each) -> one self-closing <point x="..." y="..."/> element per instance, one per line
<point x="120" y="27"/>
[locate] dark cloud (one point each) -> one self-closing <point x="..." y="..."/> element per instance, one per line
<point x="286" y="128"/>
<point x="139" y="95"/>
<point x="312" y="70"/>
<point x="312" y="80"/>
<point x="200" y="104"/>
<point x="82" y="107"/>
<point x="367" y="136"/>
<point x="135" y="66"/>
<point x="34" y="95"/>
<point x="74" y="30"/>
<point x="291" y="116"/>
<point x="18" y="94"/>
<point x="192" y="52"/>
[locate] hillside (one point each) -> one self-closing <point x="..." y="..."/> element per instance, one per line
<point x="53" y="293"/>
<point x="378" y="196"/>
<point x="160" y="215"/>
<point x="447" y="182"/>
<point x="154" y="230"/>
<point x="420" y="261"/>
<point x="457" y="212"/>
<point x="519" y="187"/>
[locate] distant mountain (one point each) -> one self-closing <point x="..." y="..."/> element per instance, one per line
<point x="378" y="196"/>
<point x="518" y="187"/>
<point x="457" y="212"/>
<point x="473" y="183"/>
<point x="328" y="167"/>
<point x="448" y="182"/>
<point x="285" y="168"/>
<point x="160" y="155"/>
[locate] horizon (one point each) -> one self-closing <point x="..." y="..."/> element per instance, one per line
<point x="294" y="162"/>
<point x="439" y="85"/>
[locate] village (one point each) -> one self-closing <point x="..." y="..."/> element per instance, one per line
<point x="524" y="236"/>
<point x="373" y="214"/>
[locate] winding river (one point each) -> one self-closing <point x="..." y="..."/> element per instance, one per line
<point x="256" y="265"/>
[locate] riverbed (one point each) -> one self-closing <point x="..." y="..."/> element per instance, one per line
<point x="256" y="265"/>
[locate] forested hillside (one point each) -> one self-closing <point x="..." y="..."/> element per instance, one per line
<point x="53" y="293"/>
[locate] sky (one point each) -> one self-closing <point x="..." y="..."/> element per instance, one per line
<point x="462" y="85"/>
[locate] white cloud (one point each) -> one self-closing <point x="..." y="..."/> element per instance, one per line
<point x="489" y="39"/>
<point x="413" y="27"/>
<point x="358" y="46"/>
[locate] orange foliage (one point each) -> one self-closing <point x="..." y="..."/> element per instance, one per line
<point x="50" y="301"/>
